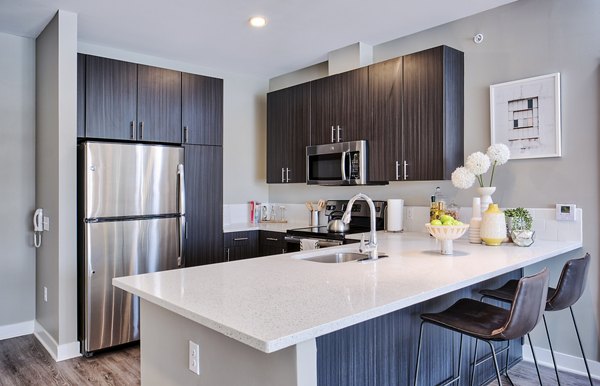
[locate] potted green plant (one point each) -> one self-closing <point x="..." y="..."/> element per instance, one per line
<point x="518" y="226"/>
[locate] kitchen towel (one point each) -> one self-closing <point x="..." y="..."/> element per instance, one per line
<point x="395" y="213"/>
<point x="308" y="244"/>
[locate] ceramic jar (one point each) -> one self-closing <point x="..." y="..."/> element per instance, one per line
<point x="493" y="226"/>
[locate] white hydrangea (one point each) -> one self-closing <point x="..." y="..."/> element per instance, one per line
<point x="498" y="153"/>
<point x="463" y="178"/>
<point x="478" y="163"/>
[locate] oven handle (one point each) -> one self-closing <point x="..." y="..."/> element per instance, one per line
<point x="292" y="240"/>
<point x="344" y="177"/>
<point x="322" y="242"/>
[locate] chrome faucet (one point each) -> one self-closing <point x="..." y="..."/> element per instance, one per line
<point x="371" y="247"/>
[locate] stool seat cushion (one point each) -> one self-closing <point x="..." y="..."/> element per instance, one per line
<point x="471" y="317"/>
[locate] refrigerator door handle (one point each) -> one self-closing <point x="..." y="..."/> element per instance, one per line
<point x="181" y="198"/>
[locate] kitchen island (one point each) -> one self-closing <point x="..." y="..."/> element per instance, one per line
<point x="281" y="320"/>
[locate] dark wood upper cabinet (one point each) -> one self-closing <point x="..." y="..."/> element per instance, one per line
<point x="202" y="109"/>
<point x="433" y="113"/>
<point x="204" y="204"/>
<point x="385" y="134"/>
<point x="80" y="95"/>
<point x="110" y="98"/>
<point x="159" y="104"/>
<point x="339" y="100"/>
<point x="288" y="133"/>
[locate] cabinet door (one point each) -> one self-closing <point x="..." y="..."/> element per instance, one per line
<point x="288" y="133"/>
<point x="385" y="131"/>
<point x="241" y="245"/>
<point x="159" y="104"/>
<point x="202" y="109"/>
<point x="204" y="204"/>
<point x="110" y="98"/>
<point x="80" y="95"/>
<point x="271" y="243"/>
<point x="433" y="113"/>
<point x="340" y="100"/>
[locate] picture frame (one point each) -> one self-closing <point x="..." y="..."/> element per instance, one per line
<point x="525" y="116"/>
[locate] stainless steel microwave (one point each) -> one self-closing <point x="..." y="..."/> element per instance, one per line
<point x="342" y="163"/>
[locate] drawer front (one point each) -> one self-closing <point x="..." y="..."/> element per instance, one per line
<point x="240" y="245"/>
<point x="272" y="238"/>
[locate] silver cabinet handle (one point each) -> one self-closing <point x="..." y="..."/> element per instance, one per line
<point x="132" y="129"/>
<point x="185" y="134"/>
<point x="405" y="174"/>
<point x="287" y="175"/>
<point x="397" y="166"/>
<point x="339" y="137"/>
<point x="141" y="129"/>
<point x="240" y="239"/>
<point x="282" y="174"/>
<point x="332" y="134"/>
<point x="227" y="254"/>
<point x="272" y="239"/>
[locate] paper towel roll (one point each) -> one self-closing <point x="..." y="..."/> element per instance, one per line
<point x="395" y="212"/>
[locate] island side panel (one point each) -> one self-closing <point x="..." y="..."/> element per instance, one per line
<point x="223" y="361"/>
<point x="383" y="351"/>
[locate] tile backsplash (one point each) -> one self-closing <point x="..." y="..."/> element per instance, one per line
<point x="544" y="219"/>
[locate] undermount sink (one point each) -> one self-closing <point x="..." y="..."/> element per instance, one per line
<point x="340" y="257"/>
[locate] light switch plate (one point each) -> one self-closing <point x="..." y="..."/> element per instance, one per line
<point x="566" y="212"/>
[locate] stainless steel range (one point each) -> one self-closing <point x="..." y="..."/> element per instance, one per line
<point x="334" y="209"/>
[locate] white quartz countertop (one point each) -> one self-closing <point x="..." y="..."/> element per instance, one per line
<point x="273" y="302"/>
<point x="264" y="226"/>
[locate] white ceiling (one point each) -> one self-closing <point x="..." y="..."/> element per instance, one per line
<point x="215" y="33"/>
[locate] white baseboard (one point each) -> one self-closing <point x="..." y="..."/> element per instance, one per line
<point x="56" y="351"/>
<point x="564" y="362"/>
<point x="17" y="329"/>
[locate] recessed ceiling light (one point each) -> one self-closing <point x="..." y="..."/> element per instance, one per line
<point x="258" y="21"/>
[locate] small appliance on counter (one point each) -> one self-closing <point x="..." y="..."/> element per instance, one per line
<point x="334" y="209"/>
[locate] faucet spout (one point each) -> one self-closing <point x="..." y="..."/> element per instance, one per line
<point x="371" y="247"/>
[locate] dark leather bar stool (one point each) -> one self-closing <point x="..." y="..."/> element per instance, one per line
<point x="489" y="323"/>
<point x="568" y="291"/>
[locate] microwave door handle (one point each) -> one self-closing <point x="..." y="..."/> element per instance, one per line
<point x="343" y="166"/>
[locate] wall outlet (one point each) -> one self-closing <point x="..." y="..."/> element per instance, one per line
<point x="194" y="357"/>
<point x="46" y="294"/>
<point x="46" y="223"/>
<point x="566" y="212"/>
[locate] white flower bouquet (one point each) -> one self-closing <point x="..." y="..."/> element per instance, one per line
<point x="478" y="164"/>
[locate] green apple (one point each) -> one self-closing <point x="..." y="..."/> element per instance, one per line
<point x="446" y="217"/>
<point x="448" y="222"/>
<point x="436" y="222"/>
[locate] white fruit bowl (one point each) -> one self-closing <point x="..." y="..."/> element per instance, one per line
<point x="447" y="233"/>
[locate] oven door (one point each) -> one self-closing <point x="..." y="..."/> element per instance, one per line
<point x="343" y="163"/>
<point x="294" y="242"/>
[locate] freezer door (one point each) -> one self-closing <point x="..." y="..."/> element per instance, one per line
<point x="125" y="180"/>
<point x="122" y="248"/>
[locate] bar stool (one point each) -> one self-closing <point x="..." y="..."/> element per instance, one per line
<point x="568" y="291"/>
<point x="489" y="323"/>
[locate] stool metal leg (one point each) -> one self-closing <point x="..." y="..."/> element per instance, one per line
<point x="551" y="349"/>
<point x="457" y="377"/>
<point x="495" y="362"/>
<point x="537" y="369"/>
<point x="581" y="347"/>
<point x="419" y="353"/>
<point x="472" y="378"/>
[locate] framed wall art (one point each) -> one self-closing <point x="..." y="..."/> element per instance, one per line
<point x="525" y="116"/>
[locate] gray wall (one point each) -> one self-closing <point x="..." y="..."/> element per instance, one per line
<point x="56" y="155"/>
<point x="17" y="168"/>
<point x="523" y="39"/>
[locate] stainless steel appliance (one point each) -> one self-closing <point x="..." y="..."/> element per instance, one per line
<point x="132" y="207"/>
<point x="342" y="163"/>
<point x="359" y="223"/>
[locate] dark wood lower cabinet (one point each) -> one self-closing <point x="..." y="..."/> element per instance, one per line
<point x="383" y="351"/>
<point x="204" y="204"/>
<point x="241" y="245"/>
<point x="272" y="243"/>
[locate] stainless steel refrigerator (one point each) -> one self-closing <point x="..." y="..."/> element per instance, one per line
<point x="133" y="222"/>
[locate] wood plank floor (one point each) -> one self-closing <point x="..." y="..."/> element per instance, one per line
<point x="24" y="361"/>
